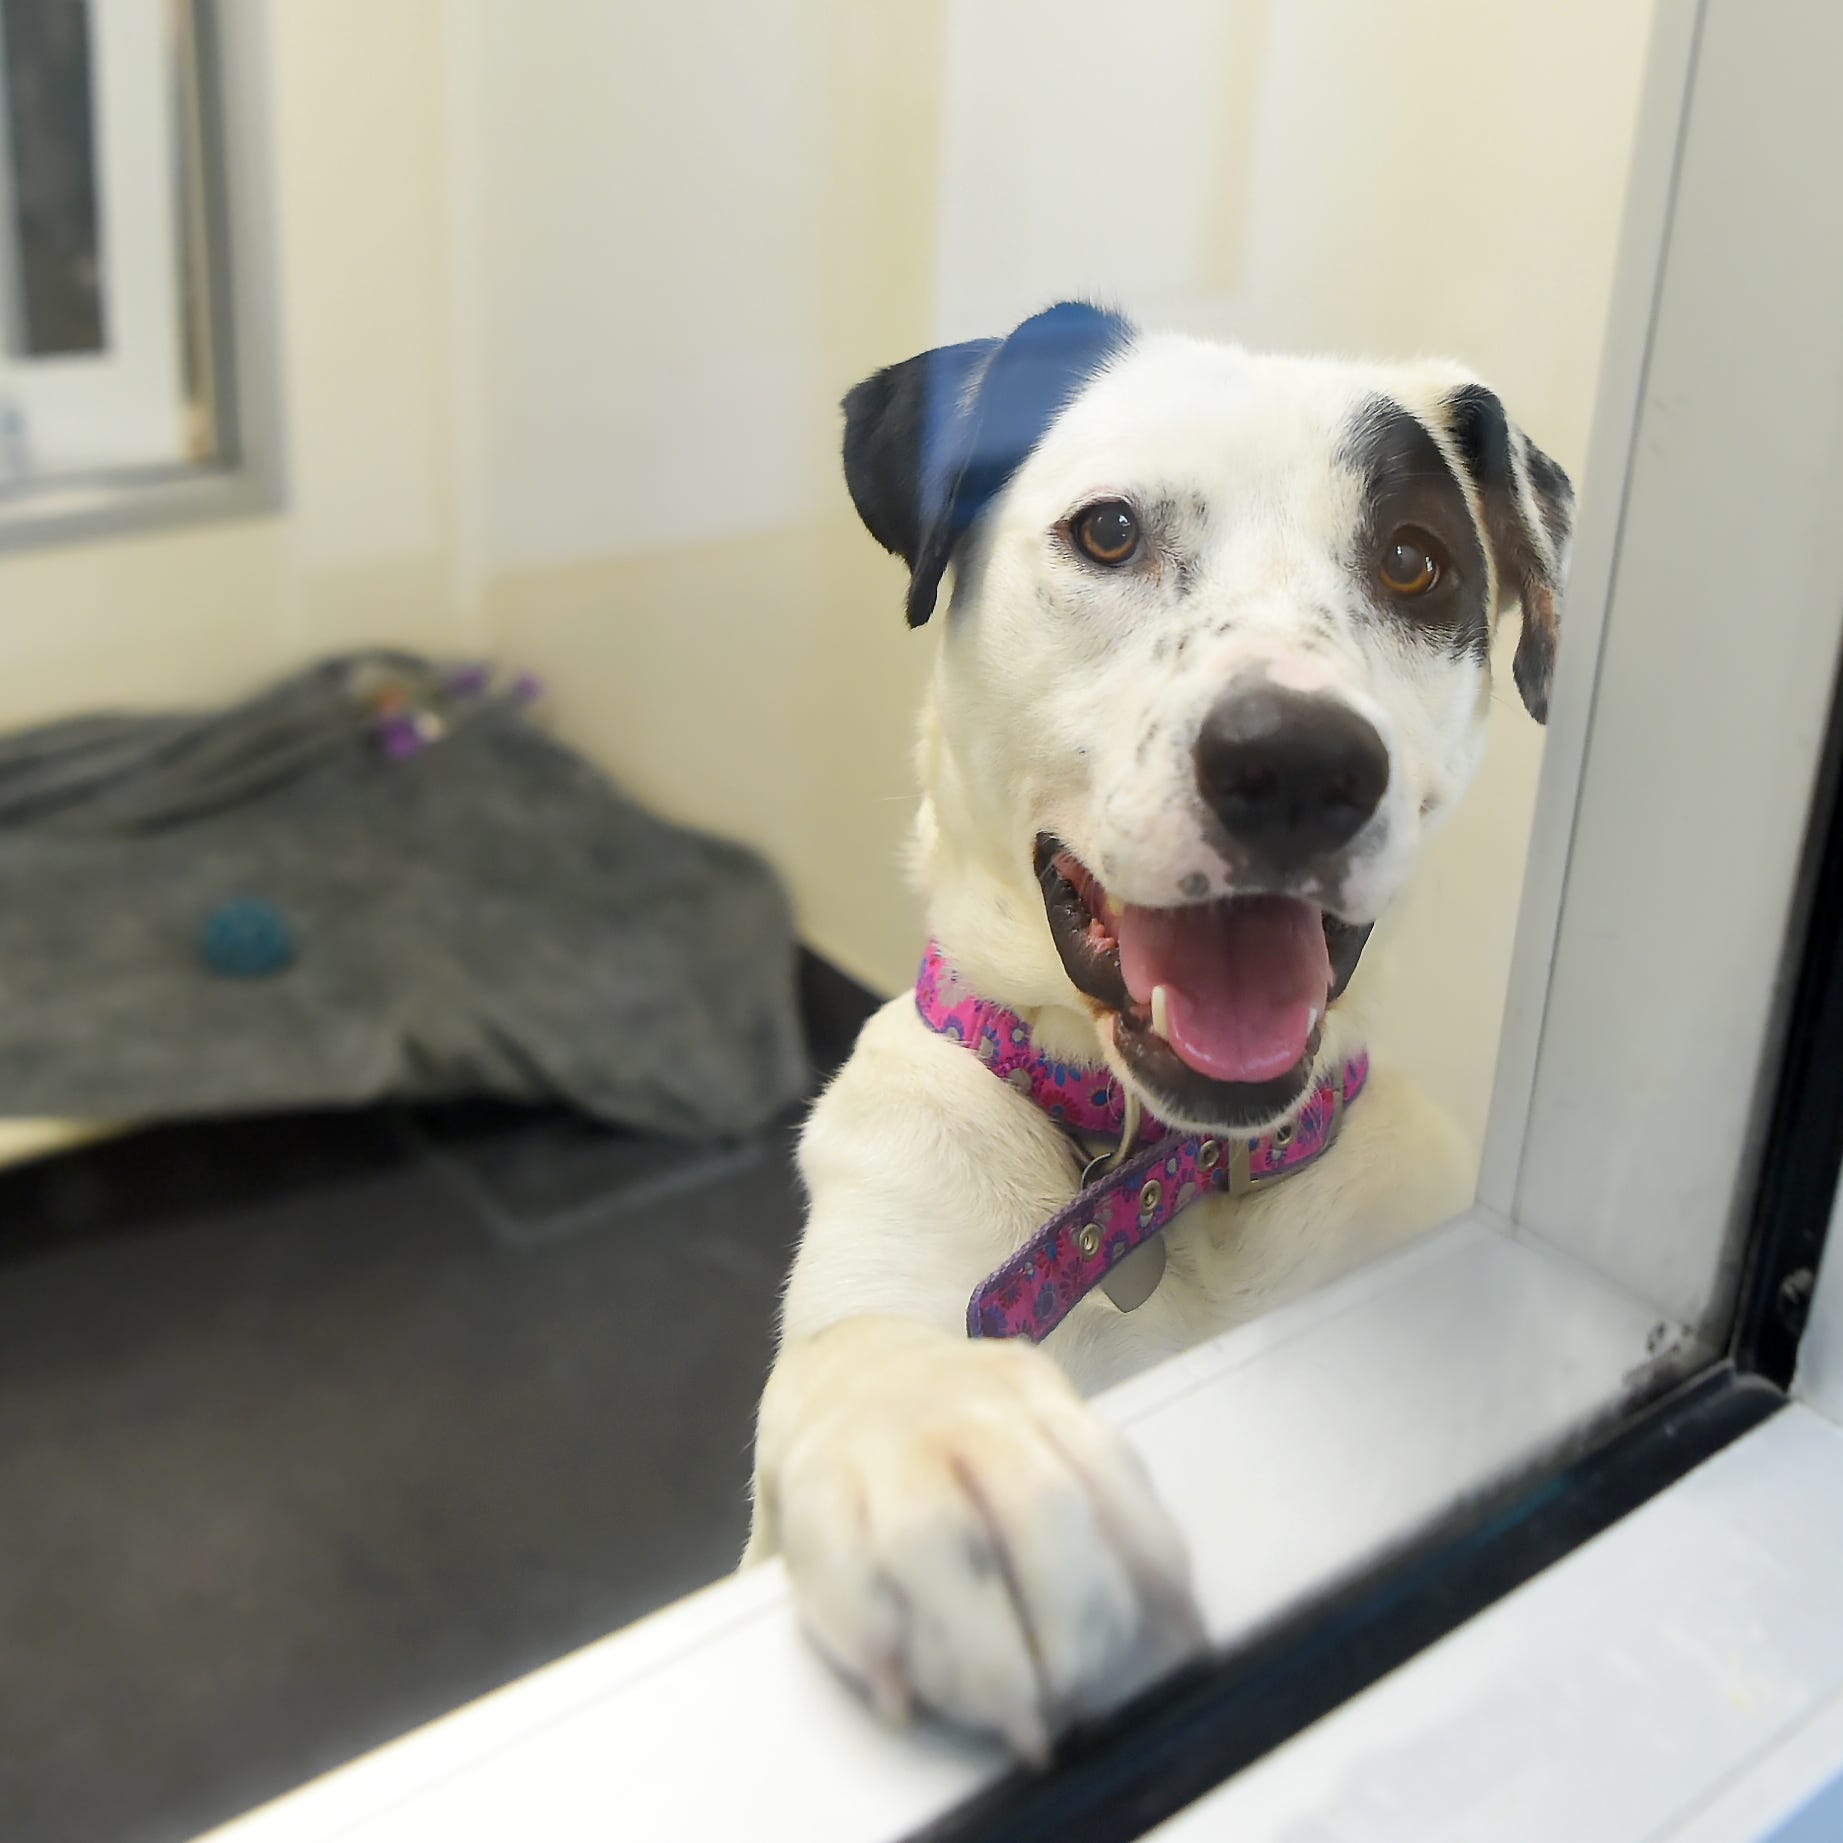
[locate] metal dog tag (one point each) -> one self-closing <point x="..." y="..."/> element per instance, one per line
<point x="1134" y="1278"/>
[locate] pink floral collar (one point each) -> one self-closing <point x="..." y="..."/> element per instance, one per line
<point x="1119" y="1210"/>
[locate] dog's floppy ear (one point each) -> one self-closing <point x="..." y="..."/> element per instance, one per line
<point x="1528" y="508"/>
<point x="929" y="442"/>
<point x="901" y="426"/>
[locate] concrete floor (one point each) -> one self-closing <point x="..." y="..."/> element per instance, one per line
<point x="313" y="1428"/>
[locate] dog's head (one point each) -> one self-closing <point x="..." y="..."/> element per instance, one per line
<point x="1218" y="655"/>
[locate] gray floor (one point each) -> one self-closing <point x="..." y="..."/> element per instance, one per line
<point x="313" y="1428"/>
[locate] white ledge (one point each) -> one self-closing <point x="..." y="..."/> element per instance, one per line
<point x="1292" y="1452"/>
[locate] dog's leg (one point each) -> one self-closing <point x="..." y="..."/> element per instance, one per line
<point x="961" y="1531"/>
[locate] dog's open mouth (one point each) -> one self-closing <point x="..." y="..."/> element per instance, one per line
<point x="1217" y="1006"/>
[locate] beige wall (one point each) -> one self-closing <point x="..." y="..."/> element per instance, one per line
<point x="570" y="292"/>
<point x="689" y="230"/>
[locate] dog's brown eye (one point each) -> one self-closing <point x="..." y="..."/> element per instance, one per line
<point x="1108" y="532"/>
<point x="1410" y="563"/>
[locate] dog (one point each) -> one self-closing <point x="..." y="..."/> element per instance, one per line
<point x="1217" y="661"/>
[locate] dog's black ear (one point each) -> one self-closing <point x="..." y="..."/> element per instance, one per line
<point x="929" y="442"/>
<point x="899" y="426"/>
<point x="1528" y="508"/>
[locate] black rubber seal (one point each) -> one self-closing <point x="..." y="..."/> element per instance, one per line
<point x="1802" y="1151"/>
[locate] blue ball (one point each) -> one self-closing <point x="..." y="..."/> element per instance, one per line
<point x="247" y="938"/>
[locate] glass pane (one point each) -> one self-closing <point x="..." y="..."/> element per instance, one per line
<point x="55" y="304"/>
<point x="468" y="1072"/>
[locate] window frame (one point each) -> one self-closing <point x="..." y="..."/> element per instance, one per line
<point x="1625" y="1126"/>
<point x="235" y="275"/>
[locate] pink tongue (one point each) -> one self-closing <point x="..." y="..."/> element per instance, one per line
<point x="1242" y="980"/>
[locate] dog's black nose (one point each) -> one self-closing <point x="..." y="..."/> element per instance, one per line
<point x="1289" y="775"/>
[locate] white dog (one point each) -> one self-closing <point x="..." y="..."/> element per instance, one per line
<point x="1217" y="659"/>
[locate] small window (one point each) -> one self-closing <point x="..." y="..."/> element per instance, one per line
<point x="115" y="265"/>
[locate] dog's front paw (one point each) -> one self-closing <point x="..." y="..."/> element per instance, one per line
<point x="963" y="1532"/>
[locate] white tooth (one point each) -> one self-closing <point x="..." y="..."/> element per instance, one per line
<point x="1111" y="908"/>
<point x="1161" y="1012"/>
<point x="1312" y="1021"/>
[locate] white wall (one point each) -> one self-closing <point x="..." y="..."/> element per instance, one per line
<point x="649" y="185"/>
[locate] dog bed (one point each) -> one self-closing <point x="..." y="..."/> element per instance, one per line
<point x="378" y="878"/>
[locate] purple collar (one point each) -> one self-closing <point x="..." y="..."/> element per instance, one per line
<point x="1117" y="1210"/>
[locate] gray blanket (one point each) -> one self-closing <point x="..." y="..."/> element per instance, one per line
<point x="469" y="908"/>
